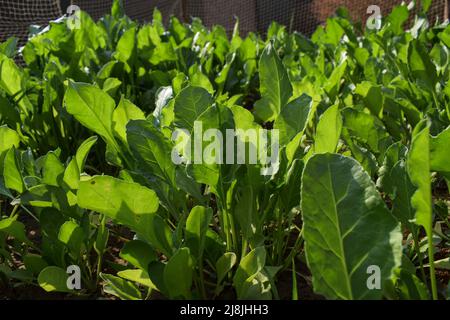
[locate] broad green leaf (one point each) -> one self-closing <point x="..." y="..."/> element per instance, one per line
<point x="125" y="49"/>
<point x="224" y="265"/>
<point x="121" y="288"/>
<point x="29" y="163"/>
<point x="410" y="287"/>
<point x="398" y="17"/>
<point x="8" y="114"/>
<point x="15" y="229"/>
<point x="224" y="78"/>
<point x="53" y="279"/>
<point x="403" y="191"/>
<point x="34" y="263"/>
<point x="361" y="56"/>
<point x="257" y="286"/>
<point x="152" y="150"/>
<point x="290" y="196"/>
<point x="11" y="172"/>
<point x="179" y="82"/>
<point x="328" y="131"/>
<point x="51" y="221"/>
<point x="190" y="103"/>
<point x="418" y="165"/>
<point x="11" y="83"/>
<point x="393" y="155"/>
<point x="197" y="224"/>
<point x="165" y="51"/>
<point x="440" y="57"/>
<point x="440" y="152"/>
<point x="38" y="196"/>
<point x="117" y="199"/>
<point x="347" y="228"/>
<point x="138" y="253"/>
<point x="22" y="275"/>
<point x="334" y="32"/>
<point x="53" y="170"/>
<point x="178" y="274"/>
<point x="373" y="97"/>
<point x="249" y="267"/>
<point x="411" y="112"/>
<point x="117" y="10"/>
<point x="9" y="47"/>
<point x="367" y="129"/>
<point x="198" y="79"/>
<point x="420" y="65"/>
<point x="3" y="190"/>
<point x="293" y="118"/>
<point x="125" y="112"/>
<point x="206" y="174"/>
<point x="138" y="276"/>
<point x="106" y="70"/>
<point x="111" y="85"/>
<point x="72" y="236"/>
<point x="243" y="120"/>
<point x="83" y="151"/>
<point x="275" y="86"/>
<point x="333" y="84"/>
<point x="101" y="240"/>
<point x="92" y="107"/>
<point x="156" y="275"/>
<point x="8" y="139"/>
<point x="157" y="232"/>
<point x="205" y="166"/>
<point x="72" y="175"/>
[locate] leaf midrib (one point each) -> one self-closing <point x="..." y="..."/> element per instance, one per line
<point x="108" y="131"/>
<point x="338" y="229"/>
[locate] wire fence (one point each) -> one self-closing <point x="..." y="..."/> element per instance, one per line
<point x="254" y="15"/>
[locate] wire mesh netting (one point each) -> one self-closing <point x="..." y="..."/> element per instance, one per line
<point x="306" y="16"/>
<point x="224" y="12"/>
<point x="16" y="16"/>
<point x="301" y="15"/>
<point x="254" y="15"/>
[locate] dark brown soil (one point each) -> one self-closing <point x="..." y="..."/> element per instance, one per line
<point x="29" y="292"/>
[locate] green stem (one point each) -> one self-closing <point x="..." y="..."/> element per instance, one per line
<point x="278" y="252"/>
<point x="100" y="254"/>
<point x="149" y="293"/>
<point x="432" y="270"/>
<point x="14" y="211"/>
<point x="244" y="248"/>
<point x="295" y="249"/>
<point x="228" y="225"/>
<point x="226" y="229"/>
<point x="202" y="279"/>
<point x="294" y="282"/>
<point x="233" y="231"/>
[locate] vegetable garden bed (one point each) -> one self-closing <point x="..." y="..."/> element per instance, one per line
<point x="102" y="194"/>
